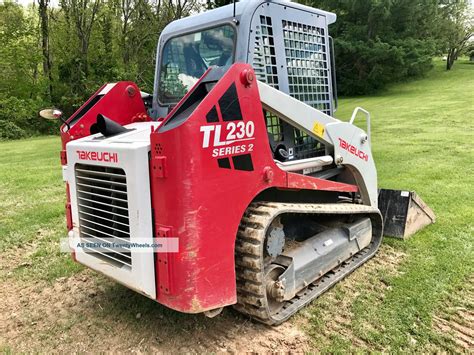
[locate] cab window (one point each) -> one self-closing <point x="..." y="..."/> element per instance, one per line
<point x="186" y="58"/>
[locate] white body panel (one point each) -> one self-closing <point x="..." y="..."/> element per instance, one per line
<point x="132" y="150"/>
<point x="350" y="145"/>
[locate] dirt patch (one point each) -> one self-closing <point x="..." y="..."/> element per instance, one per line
<point x="456" y="321"/>
<point x="20" y="255"/>
<point x="89" y="312"/>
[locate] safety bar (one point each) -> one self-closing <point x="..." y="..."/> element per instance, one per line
<point x="333" y="74"/>
<point x="296" y="165"/>
<point x="367" y="118"/>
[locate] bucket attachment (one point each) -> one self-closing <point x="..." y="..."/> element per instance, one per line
<point x="404" y="213"/>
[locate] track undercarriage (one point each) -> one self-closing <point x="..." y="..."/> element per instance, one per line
<point x="276" y="278"/>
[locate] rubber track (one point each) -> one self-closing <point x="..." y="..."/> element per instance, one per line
<point x="249" y="252"/>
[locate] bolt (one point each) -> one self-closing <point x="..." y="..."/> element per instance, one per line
<point x="278" y="291"/>
<point x="247" y="77"/>
<point x="339" y="159"/>
<point x="268" y="174"/>
<point x="131" y="91"/>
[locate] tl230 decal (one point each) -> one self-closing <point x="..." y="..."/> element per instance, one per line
<point x="231" y="138"/>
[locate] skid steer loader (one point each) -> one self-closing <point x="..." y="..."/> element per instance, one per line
<point x="237" y="159"/>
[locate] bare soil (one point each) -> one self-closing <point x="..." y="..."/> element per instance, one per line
<point x="89" y="312"/>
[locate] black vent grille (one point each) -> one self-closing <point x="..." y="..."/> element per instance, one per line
<point x="103" y="211"/>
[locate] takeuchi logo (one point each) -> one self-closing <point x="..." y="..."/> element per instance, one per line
<point x="98" y="156"/>
<point x="353" y="150"/>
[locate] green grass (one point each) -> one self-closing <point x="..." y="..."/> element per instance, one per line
<point x="422" y="135"/>
<point x="32" y="207"/>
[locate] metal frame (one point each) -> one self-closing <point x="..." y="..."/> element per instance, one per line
<point x="242" y="19"/>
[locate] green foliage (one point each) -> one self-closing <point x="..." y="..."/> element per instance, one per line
<point x="378" y="42"/>
<point x="470" y="51"/>
<point x="19" y="118"/>
<point x="368" y="66"/>
<point x="9" y="130"/>
<point x="91" y="42"/>
<point x="457" y="28"/>
<point x="19" y="52"/>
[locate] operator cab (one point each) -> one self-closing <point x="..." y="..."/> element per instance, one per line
<point x="186" y="58"/>
<point x="286" y="43"/>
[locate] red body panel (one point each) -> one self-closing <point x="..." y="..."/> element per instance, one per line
<point x="123" y="104"/>
<point x="201" y="200"/>
<point x="298" y="181"/>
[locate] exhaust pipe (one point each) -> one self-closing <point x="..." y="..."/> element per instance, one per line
<point x="107" y="127"/>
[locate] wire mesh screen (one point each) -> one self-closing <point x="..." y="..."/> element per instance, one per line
<point x="308" y="77"/>
<point x="264" y="64"/>
<point x="306" y="146"/>
<point x="307" y="64"/>
<point x="303" y="71"/>
<point x="264" y="60"/>
<point x="274" y="126"/>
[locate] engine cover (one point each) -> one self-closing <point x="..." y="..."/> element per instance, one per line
<point x="110" y="198"/>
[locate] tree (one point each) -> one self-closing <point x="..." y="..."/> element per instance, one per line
<point x="19" y="53"/>
<point x="378" y="42"/>
<point x="127" y="10"/>
<point x="470" y="52"/>
<point x="43" y="14"/>
<point x="458" y="28"/>
<point x="83" y="14"/>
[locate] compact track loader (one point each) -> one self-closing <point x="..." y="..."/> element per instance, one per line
<point x="237" y="159"/>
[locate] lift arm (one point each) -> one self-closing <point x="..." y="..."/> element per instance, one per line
<point x="346" y="143"/>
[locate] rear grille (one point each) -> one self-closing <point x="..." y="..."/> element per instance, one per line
<point x="103" y="211"/>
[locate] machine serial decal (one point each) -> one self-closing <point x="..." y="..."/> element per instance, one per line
<point x="98" y="156"/>
<point x="238" y="133"/>
<point x="353" y="150"/>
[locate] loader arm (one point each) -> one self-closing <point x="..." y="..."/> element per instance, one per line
<point x="347" y="144"/>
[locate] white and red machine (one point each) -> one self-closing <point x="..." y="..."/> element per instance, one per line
<point x="271" y="199"/>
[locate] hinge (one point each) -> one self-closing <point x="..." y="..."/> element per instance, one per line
<point x="63" y="157"/>
<point x="68" y="216"/>
<point x="158" y="166"/>
<point x="163" y="261"/>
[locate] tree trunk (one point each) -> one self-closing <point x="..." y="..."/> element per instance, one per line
<point x="84" y="54"/>
<point x="128" y="7"/>
<point x="43" y="13"/>
<point x="451" y="58"/>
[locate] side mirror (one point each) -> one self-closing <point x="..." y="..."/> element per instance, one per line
<point x="51" y="114"/>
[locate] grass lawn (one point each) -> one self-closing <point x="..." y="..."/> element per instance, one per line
<point x="422" y="136"/>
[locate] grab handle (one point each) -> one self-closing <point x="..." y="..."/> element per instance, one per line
<point x="367" y="118"/>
